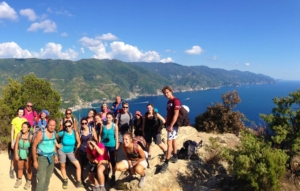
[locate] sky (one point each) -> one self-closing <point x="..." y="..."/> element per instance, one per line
<point x="257" y="36"/>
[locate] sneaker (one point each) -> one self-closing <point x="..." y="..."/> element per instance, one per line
<point x="96" y="188"/>
<point x="65" y="184"/>
<point x="113" y="180"/>
<point x="102" y="188"/>
<point x="18" y="183"/>
<point x="79" y="184"/>
<point x="149" y="157"/>
<point x="12" y="174"/>
<point x="164" y="168"/>
<point x="174" y="160"/>
<point x="27" y="185"/>
<point x="142" y="181"/>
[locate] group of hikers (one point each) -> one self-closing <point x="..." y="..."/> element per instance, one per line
<point x="95" y="141"/>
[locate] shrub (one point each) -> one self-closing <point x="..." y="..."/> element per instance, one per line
<point x="220" y="118"/>
<point x="259" y="164"/>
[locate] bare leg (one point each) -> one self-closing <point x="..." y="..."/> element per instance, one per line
<point x="20" y="168"/>
<point x="78" y="170"/>
<point x="63" y="170"/>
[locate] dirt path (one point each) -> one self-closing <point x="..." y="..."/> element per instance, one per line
<point x="7" y="184"/>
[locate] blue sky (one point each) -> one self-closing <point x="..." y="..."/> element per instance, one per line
<point x="256" y="36"/>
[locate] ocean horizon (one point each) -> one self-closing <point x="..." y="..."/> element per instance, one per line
<point x="255" y="100"/>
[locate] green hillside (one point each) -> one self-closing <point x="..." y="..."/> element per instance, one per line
<point x="92" y="79"/>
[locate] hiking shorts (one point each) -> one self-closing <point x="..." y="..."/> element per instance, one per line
<point x="94" y="167"/>
<point x="143" y="163"/>
<point x="63" y="156"/>
<point x="149" y="136"/>
<point x="173" y="134"/>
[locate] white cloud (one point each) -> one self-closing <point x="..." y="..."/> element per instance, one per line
<point x="59" y="12"/>
<point x="107" y="36"/>
<point x="54" y="51"/>
<point x="195" y="50"/>
<point x="247" y="64"/>
<point x="28" y="13"/>
<point x="132" y="53"/>
<point x="168" y="50"/>
<point x="6" y="12"/>
<point x="64" y="34"/>
<point x="214" y="57"/>
<point x="47" y="25"/>
<point x="118" y="50"/>
<point x="13" y="50"/>
<point x="49" y="10"/>
<point x="95" y="46"/>
<point x="166" y="60"/>
<point x="82" y="50"/>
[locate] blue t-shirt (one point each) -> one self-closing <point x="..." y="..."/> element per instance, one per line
<point x="110" y="134"/>
<point x="68" y="141"/>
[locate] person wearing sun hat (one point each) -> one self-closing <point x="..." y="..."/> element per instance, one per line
<point x="138" y="124"/>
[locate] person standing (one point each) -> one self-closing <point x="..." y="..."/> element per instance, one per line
<point x="152" y="127"/>
<point x="30" y="114"/>
<point x="22" y="155"/>
<point x="103" y="112"/>
<point x="173" y="107"/>
<point x="117" y="106"/>
<point x="124" y="121"/>
<point x="138" y="124"/>
<point x="109" y="137"/>
<point x="69" y="137"/>
<point x="16" y="127"/>
<point x="44" y="155"/>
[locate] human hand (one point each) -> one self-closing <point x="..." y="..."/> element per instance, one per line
<point x="132" y="170"/>
<point x="35" y="165"/>
<point x="56" y="160"/>
<point x="12" y="145"/>
<point x="170" y="129"/>
<point x="17" y="157"/>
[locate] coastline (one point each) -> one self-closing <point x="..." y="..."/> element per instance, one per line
<point x="133" y="96"/>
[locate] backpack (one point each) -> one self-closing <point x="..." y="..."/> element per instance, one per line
<point x="130" y="121"/>
<point x="139" y="140"/>
<point x="90" y="132"/>
<point x="26" y="149"/>
<point x="42" y="153"/>
<point x="189" y="150"/>
<point x="183" y="118"/>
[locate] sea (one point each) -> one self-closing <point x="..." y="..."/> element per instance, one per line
<point x="255" y="100"/>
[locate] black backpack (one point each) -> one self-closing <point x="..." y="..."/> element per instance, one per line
<point x="189" y="150"/>
<point x="183" y="118"/>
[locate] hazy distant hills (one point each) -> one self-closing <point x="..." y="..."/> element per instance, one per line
<point x="92" y="79"/>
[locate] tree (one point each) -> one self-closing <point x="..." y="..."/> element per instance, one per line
<point x="16" y="94"/>
<point x="220" y="118"/>
<point x="284" y="122"/>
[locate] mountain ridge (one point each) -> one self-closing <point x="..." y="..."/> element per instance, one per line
<point x="87" y="80"/>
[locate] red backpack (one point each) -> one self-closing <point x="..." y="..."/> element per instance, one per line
<point x="139" y="140"/>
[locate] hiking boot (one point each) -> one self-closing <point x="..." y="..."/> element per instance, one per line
<point x="18" y="183"/>
<point x="164" y="168"/>
<point x="142" y="181"/>
<point x="27" y="185"/>
<point x="12" y="174"/>
<point x="102" y="188"/>
<point x="65" y="184"/>
<point x="79" y="184"/>
<point x="112" y="180"/>
<point x="174" y="159"/>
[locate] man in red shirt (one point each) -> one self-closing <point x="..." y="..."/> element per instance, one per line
<point x="173" y="107"/>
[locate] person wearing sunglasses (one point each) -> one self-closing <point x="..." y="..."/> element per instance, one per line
<point x="98" y="158"/>
<point x="68" y="138"/>
<point x="124" y="121"/>
<point x="68" y="116"/>
<point x="30" y="114"/>
<point x="86" y="133"/>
